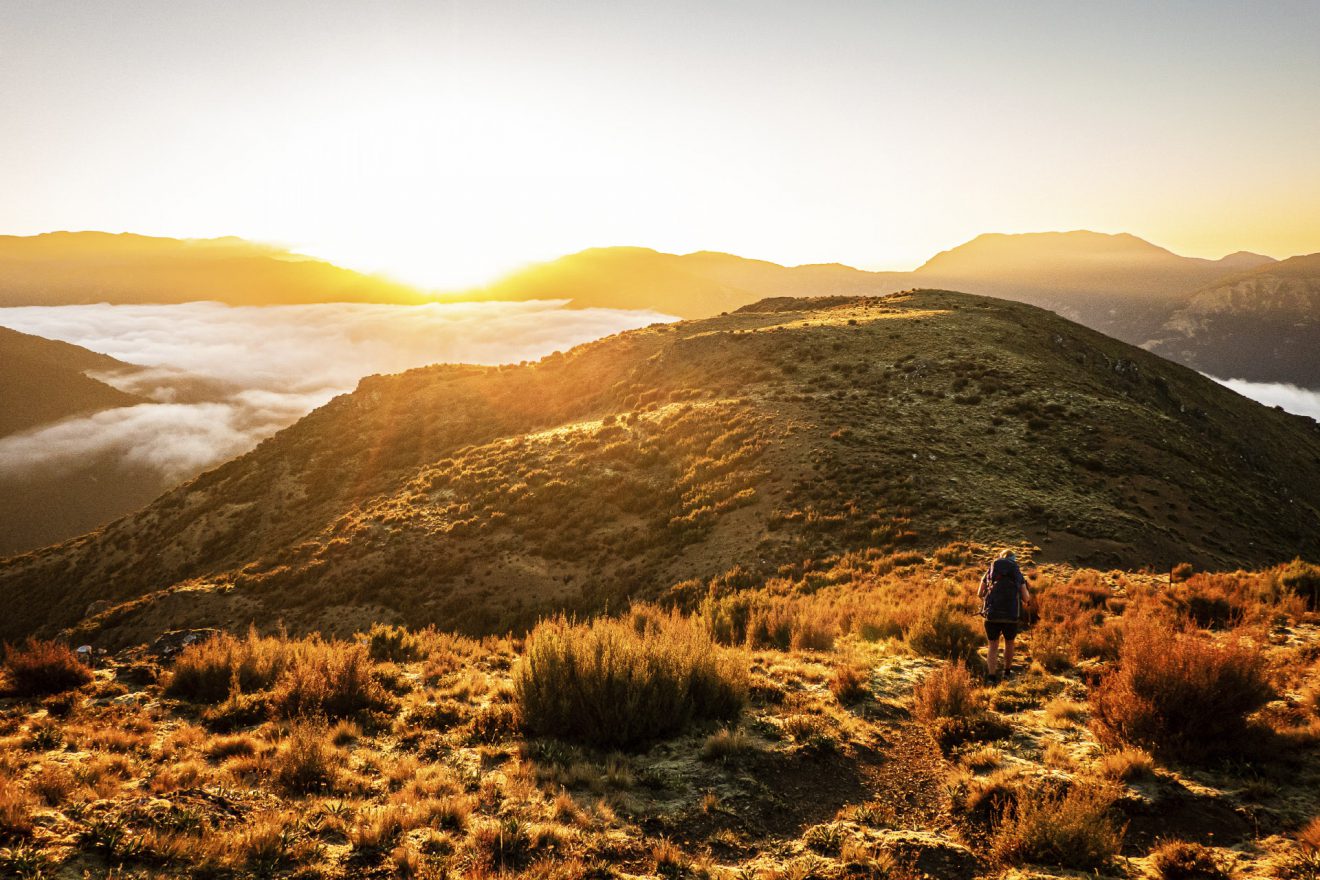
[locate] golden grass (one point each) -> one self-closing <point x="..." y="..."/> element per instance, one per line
<point x="619" y="683"/>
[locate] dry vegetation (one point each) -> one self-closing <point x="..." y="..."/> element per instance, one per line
<point x="830" y="722"/>
<point x="481" y="499"/>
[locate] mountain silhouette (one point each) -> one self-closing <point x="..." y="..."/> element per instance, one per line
<point x="64" y="268"/>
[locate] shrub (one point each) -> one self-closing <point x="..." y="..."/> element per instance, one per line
<point x="1179" y="694"/>
<point x="15" y="810"/>
<point x="848" y="685"/>
<point x="1126" y="765"/>
<point x="1071" y="829"/>
<point x="207" y="671"/>
<point x="39" y="668"/>
<point x="330" y="679"/>
<point x="944" y="631"/>
<point x="306" y="761"/>
<point x="394" y="643"/>
<point x="725" y="744"/>
<point x="953" y="707"/>
<point x="619" y="683"/>
<point x="1302" y="579"/>
<point x="1181" y="860"/>
<point x="948" y="692"/>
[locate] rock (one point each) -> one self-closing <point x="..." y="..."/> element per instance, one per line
<point x="930" y="855"/>
<point x="171" y="643"/>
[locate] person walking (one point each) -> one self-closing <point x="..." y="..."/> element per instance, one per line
<point x="1003" y="593"/>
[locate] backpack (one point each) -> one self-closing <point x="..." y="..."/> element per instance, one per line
<point x="1003" y="601"/>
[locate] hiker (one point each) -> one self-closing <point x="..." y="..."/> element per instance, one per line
<point x="1003" y="594"/>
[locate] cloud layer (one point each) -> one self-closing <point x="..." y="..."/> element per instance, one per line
<point x="222" y="378"/>
<point x="1302" y="401"/>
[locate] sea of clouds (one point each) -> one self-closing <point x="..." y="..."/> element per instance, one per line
<point x="221" y="378"/>
<point x="1302" y="401"/>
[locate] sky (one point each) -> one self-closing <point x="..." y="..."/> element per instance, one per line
<point x="445" y="143"/>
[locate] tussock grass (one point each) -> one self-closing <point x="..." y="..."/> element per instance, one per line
<point x="38" y="668"/>
<point x="620" y="683"/>
<point x="1071" y="829"/>
<point x="208" y="671"/>
<point x="1126" y="765"/>
<point x="945" y="631"/>
<point x="15" y="810"/>
<point x="247" y="679"/>
<point x="1181" y="695"/>
<point x="1183" y="860"/>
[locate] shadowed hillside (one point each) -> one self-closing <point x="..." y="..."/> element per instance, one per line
<point x="42" y="380"/>
<point x="62" y="268"/>
<point x="1263" y="326"/>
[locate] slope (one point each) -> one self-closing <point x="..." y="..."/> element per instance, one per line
<point x="43" y="380"/>
<point x="61" y="268"/>
<point x="1263" y="326"/>
<point x="762" y="441"/>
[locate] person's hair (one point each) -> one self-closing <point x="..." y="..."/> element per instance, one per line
<point x="1008" y="554"/>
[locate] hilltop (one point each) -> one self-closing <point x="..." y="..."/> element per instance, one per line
<point x="758" y="441"/>
<point x="1121" y="285"/>
<point x="69" y="268"/>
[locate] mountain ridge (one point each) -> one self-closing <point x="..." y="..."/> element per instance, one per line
<point x="482" y="497"/>
<point x="71" y="268"/>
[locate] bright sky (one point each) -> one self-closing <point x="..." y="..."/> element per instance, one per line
<point x="447" y="142"/>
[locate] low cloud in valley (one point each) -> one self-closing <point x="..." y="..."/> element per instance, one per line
<point x="221" y="378"/>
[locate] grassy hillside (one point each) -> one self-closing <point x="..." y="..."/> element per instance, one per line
<point x="822" y="725"/>
<point x="62" y="268"/>
<point x="44" y="381"/>
<point x="762" y="441"/>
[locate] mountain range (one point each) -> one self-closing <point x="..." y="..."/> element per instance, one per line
<point x="65" y="268"/>
<point x="1245" y="316"/>
<point x="737" y="446"/>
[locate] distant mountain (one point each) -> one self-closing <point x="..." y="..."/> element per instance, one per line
<point x="784" y="432"/>
<point x="42" y="381"/>
<point x="1262" y="325"/>
<point x="1120" y="285"/>
<point x="695" y="285"/>
<point x="61" y="268"/>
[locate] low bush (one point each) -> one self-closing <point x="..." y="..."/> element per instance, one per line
<point x="622" y="682"/>
<point x="39" y="668"/>
<point x="953" y="707"/>
<point x="945" y="631"/>
<point x="848" y="684"/>
<point x="1302" y="579"/>
<point x="1181" y="860"/>
<point x="329" y="679"/>
<point x="948" y="692"/>
<point x="307" y="762"/>
<point x="207" y="671"/>
<point x="394" y="643"/>
<point x="1070" y="829"/>
<point x="1181" y="695"/>
<point x="15" y="810"/>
